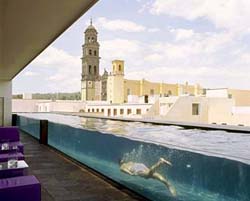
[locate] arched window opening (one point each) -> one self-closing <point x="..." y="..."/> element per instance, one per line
<point x="152" y="92"/>
<point x="95" y="53"/>
<point x="89" y="69"/>
<point x="90" y="52"/>
<point x="95" y="70"/>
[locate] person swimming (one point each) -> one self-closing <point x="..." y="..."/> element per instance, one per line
<point x="139" y="169"/>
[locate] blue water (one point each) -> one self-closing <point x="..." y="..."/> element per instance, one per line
<point x="201" y="169"/>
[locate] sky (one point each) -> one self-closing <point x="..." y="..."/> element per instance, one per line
<point x="171" y="41"/>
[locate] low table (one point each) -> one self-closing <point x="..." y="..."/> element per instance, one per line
<point x="25" y="188"/>
<point x="20" y="170"/>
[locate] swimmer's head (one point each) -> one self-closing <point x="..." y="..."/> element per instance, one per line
<point x="121" y="161"/>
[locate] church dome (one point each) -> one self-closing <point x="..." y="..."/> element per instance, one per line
<point x="91" y="27"/>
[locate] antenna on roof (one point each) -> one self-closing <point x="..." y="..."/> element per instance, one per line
<point x="91" y="21"/>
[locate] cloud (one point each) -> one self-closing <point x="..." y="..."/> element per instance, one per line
<point x="66" y="69"/>
<point x="119" y="25"/>
<point x="123" y="25"/>
<point x="174" y="54"/>
<point x="208" y="76"/>
<point x="198" y="57"/>
<point x="153" y="30"/>
<point x="123" y="49"/>
<point x="245" y="58"/>
<point x="30" y="74"/>
<point x="182" y="34"/>
<point x="233" y="15"/>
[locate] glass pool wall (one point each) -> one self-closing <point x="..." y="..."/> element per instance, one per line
<point x="196" y="177"/>
<point x="29" y="125"/>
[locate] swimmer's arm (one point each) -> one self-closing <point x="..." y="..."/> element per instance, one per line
<point x="125" y="170"/>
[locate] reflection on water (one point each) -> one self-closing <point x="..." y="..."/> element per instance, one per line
<point x="219" y="143"/>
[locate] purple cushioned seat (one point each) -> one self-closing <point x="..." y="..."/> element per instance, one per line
<point x="6" y="156"/>
<point x="9" y="134"/>
<point x="25" y="188"/>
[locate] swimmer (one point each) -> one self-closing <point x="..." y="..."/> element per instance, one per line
<point x="139" y="169"/>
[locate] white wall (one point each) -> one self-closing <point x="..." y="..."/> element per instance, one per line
<point x="24" y="105"/>
<point x="65" y="106"/>
<point x="133" y="99"/>
<point x="6" y="93"/>
<point x="217" y="93"/>
<point x="220" y="110"/>
<point x="112" y="107"/>
<point x="181" y="110"/>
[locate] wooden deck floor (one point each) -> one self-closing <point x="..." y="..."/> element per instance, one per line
<point x="65" y="180"/>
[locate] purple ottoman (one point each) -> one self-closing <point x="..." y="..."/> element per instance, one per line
<point x="26" y="188"/>
<point x="9" y="134"/>
<point x="5" y="157"/>
<point x="12" y="147"/>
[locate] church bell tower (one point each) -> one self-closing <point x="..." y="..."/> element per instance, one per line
<point x="90" y="65"/>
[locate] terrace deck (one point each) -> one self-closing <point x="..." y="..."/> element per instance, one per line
<point x="65" y="180"/>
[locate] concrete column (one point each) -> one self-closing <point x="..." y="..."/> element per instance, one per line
<point x="5" y="103"/>
<point x="43" y="132"/>
<point x="14" y="119"/>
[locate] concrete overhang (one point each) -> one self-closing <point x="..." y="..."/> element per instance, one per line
<point x="27" y="27"/>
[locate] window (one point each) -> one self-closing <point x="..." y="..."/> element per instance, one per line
<point x="152" y="92"/>
<point x="88" y="110"/>
<point x="115" y="112"/>
<point x="169" y="93"/>
<point x="102" y="110"/>
<point x="195" y="109"/>
<point x="90" y="69"/>
<point x="97" y="110"/>
<point x="93" y="110"/>
<point x="95" y="70"/>
<point x="138" y="111"/>
<point x="90" y="52"/>
<point x="109" y="112"/>
<point x="120" y="68"/>
<point x="95" y="53"/>
<point x="129" y="111"/>
<point x="121" y="111"/>
<point x="93" y="39"/>
<point x="128" y="91"/>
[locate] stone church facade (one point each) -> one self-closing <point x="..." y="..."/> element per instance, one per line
<point x="92" y="84"/>
<point x="113" y="87"/>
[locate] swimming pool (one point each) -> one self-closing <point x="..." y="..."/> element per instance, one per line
<point x="200" y="172"/>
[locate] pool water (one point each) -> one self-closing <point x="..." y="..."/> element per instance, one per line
<point x="207" y="165"/>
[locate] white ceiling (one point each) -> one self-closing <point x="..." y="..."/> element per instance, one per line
<point x="27" y="27"/>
